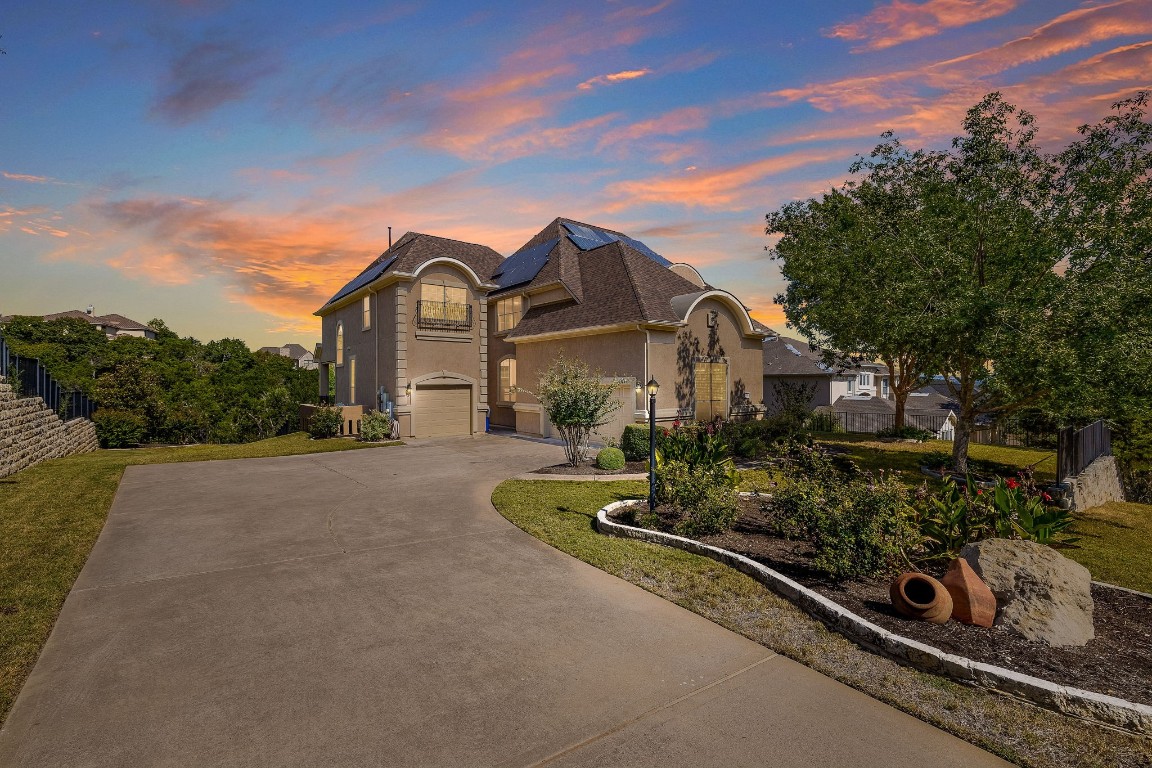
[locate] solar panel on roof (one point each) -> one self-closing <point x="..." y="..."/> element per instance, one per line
<point x="363" y="279"/>
<point x="524" y="265"/>
<point x="587" y="238"/>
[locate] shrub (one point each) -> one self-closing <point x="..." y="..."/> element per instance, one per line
<point x="858" y="524"/>
<point x="326" y="421"/>
<point x="610" y="458"/>
<point x="577" y="401"/>
<point x="634" y="442"/>
<point x="906" y="433"/>
<point x="705" y="501"/>
<point x="118" y="428"/>
<point x="375" y="426"/>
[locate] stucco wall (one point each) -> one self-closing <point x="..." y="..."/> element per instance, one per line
<point x="31" y="433"/>
<point x="725" y="339"/>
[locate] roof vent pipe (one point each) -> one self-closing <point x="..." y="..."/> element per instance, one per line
<point x="89" y="310"/>
<point x="389" y="237"/>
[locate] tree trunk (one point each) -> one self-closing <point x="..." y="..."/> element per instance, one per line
<point x="960" y="445"/>
<point x="901" y="399"/>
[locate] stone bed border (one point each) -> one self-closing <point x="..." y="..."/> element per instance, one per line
<point x="1108" y="710"/>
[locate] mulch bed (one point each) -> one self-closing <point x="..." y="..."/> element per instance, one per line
<point x="1118" y="662"/>
<point x="590" y="468"/>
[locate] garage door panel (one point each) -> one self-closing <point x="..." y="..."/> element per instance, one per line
<point x="443" y="411"/>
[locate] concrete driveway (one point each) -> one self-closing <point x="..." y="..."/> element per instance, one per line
<point x="370" y="608"/>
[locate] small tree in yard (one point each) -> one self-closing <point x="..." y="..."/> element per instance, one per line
<point x="576" y="402"/>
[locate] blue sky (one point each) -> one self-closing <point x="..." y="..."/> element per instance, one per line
<point x="228" y="165"/>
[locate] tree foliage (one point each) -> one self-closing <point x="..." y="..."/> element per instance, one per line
<point x="576" y="401"/>
<point x="1021" y="278"/>
<point x="181" y="390"/>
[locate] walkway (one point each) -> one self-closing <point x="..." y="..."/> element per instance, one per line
<point x="370" y="608"/>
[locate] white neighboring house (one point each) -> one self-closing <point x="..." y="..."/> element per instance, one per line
<point x="304" y="359"/>
<point x="793" y="361"/>
<point x="924" y="409"/>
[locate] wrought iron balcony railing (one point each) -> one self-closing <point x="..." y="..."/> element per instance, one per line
<point x="443" y="316"/>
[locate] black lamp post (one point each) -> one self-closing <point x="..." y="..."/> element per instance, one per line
<point x="653" y="388"/>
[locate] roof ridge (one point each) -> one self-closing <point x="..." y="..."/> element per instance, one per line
<point x="631" y="277"/>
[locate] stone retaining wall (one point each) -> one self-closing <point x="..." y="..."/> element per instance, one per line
<point x="30" y="433"/>
<point x="1098" y="484"/>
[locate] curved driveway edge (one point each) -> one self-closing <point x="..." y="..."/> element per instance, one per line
<point x="371" y="608"/>
<point x="1097" y="707"/>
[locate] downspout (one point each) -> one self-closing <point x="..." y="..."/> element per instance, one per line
<point x="376" y="326"/>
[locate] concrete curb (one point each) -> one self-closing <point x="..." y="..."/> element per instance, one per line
<point x="581" y="478"/>
<point x="1108" y="710"/>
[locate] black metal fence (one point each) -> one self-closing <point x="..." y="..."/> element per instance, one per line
<point x="443" y="316"/>
<point x="29" y="378"/>
<point x="871" y="423"/>
<point x="1077" y="448"/>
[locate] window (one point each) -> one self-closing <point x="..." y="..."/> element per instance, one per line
<point x="852" y="385"/>
<point x="508" y="380"/>
<point x="711" y="390"/>
<point x="339" y="343"/>
<point x="352" y="381"/>
<point x="367" y="310"/>
<point x="444" y="307"/>
<point x="508" y="313"/>
<point x="884" y="387"/>
<point x="865" y="379"/>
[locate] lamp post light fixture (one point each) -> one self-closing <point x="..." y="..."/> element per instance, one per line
<point x="653" y="387"/>
<point x="408" y="391"/>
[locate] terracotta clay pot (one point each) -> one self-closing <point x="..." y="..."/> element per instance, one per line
<point x="972" y="600"/>
<point x="919" y="596"/>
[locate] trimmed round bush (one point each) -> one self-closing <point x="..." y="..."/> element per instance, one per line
<point x="610" y="458"/>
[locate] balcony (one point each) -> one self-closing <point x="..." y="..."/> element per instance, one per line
<point x="443" y="316"/>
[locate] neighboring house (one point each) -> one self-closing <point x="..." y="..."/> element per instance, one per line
<point x="304" y="359"/>
<point x="113" y="326"/>
<point x="793" y="361"/>
<point x="448" y="332"/>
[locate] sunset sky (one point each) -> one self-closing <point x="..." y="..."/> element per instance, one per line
<point x="228" y="165"/>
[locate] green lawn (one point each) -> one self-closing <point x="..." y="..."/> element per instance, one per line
<point x="50" y="516"/>
<point x="1116" y="544"/>
<point x="872" y="454"/>
<point x="561" y="513"/>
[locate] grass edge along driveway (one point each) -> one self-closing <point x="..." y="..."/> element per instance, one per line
<point x="562" y="514"/>
<point x="50" y="517"/>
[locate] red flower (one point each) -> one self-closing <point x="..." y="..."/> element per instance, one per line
<point x="979" y="491"/>
<point x="1011" y="483"/>
<point x="1047" y="497"/>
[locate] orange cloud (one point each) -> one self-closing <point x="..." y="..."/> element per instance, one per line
<point x="901" y="21"/>
<point x="615" y="77"/>
<point x="30" y="179"/>
<point x="713" y="189"/>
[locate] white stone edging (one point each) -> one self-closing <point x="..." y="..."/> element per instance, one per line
<point x="1110" y="710"/>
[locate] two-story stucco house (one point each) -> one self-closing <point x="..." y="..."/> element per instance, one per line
<point x="449" y="332"/>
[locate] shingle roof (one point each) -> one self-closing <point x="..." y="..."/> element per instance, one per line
<point x="113" y="321"/>
<point x="415" y="248"/>
<point x="784" y="356"/>
<point x="617" y="283"/>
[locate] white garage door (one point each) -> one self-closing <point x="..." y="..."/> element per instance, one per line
<point x="443" y="411"/>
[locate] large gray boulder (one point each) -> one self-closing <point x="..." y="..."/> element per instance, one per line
<point x="1041" y="594"/>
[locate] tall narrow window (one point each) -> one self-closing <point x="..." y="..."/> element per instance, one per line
<point x="508" y="380"/>
<point x="367" y="311"/>
<point x="339" y="343"/>
<point x="508" y="313"/>
<point x="711" y="390"/>
<point x="352" y="380"/>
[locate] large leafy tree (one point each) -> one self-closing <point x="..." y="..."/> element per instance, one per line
<point x="854" y="261"/>
<point x="1105" y="219"/>
<point x="938" y="262"/>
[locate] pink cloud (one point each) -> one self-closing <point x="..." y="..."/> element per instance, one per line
<point x="901" y="21"/>
<point x="615" y="77"/>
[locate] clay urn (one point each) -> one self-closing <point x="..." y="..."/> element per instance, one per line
<point x="972" y="600"/>
<point x="919" y="596"/>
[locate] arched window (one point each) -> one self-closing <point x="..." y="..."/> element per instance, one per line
<point x="339" y="343"/>
<point x="508" y="380"/>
